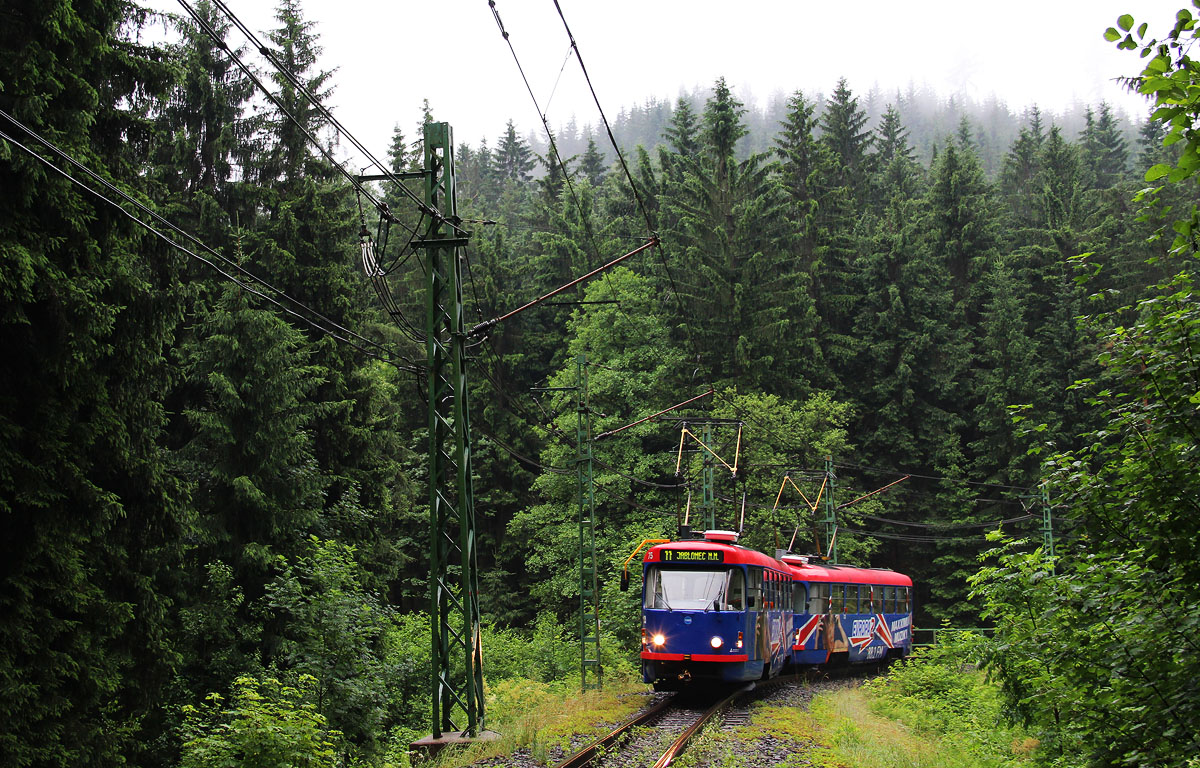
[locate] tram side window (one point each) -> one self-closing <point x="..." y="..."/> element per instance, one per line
<point x="839" y="598"/>
<point x="735" y="591"/>
<point x="799" y="597"/>
<point x="876" y="592"/>
<point x="754" y="591"/>
<point x="818" y="598"/>
<point x="851" y="599"/>
<point x="905" y="600"/>
<point x="889" y="599"/>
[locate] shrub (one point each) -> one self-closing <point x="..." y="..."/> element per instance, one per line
<point x="268" y="725"/>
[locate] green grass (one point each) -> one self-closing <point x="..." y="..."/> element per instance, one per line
<point x="921" y="715"/>
<point x="540" y="716"/>
<point x="867" y="728"/>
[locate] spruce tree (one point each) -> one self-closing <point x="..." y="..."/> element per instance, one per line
<point x="513" y="159"/>
<point x="288" y="154"/>
<point x="258" y="487"/>
<point x="591" y="165"/>
<point x="963" y="229"/>
<point x="1006" y="362"/>
<point x="804" y="174"/>
<point x="728" y="216"/>
<point x="308" y="246"/>
<point x="682" y="132"/>
<point x="1021" y="166"/>
<point x="96" y="525"/>
<point x="1103" y="150"/>
<point x="895" y="172"/>
<point x="844" y="131"/>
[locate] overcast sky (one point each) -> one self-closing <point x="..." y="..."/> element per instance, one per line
<point x="391" y="54"/>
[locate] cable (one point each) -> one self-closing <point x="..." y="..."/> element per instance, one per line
<point x="327" y="114"/>
<point x="583" y="217"/>
<point x="162" y="236"/>
<point x="612" y="139"/>
<point x="520" y="456"/>
<point x="170" y="225"/>
<point x="947" y="526"/>
<point x="626" y="500"/>
<point x="942" y="478"/>
<point x="638" y="480"/>
<point x="634" y="188"/>
<point x="914" y="539"/>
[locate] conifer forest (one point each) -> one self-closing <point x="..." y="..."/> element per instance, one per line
<point x="214" y="466"/>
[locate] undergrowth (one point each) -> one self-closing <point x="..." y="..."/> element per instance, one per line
<point x="932" y="711"/>
<point x="539" y="717"/>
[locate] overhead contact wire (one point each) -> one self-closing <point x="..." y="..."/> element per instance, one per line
<point x="266" y="52"/>
<point x="162" y="236"/>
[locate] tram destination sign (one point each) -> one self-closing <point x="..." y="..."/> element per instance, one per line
<point x="692" y="556"/>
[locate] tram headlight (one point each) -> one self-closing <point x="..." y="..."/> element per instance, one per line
<point x="716" y="642"/>
<point x="658" y="639"/>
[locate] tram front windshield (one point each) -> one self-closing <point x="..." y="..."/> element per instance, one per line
<point x="689" y="589"/>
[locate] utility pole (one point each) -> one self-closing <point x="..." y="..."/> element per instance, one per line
<point x="1047" y="525"/>
<point x="830" y="520"/>
<point x="591" y="675"/>
<point x="457" y="684"/>
<point x="708" y="483"/>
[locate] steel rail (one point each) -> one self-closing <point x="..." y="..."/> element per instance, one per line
<point x="585" y="756"/>
<point x="681" y="743"/>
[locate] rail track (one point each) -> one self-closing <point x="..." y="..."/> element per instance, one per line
<point x="675" y="721"/>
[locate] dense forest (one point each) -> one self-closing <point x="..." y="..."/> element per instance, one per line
<point x="213" y="473"/>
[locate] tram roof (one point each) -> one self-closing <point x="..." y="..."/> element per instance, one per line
<point x="802" y="570"/>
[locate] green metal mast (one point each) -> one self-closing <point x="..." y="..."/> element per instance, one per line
<point x="830" y="520"/>
<point x="591" y="675"/>
<point x="454" y="608"/>
<point x="1047" y="525"/>
<point x="708" y="483"/>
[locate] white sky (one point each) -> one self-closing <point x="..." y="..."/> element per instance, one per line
<point x="390" y="55"/>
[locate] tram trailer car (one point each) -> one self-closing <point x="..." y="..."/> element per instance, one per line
<point x="848" y="615"/>
<point x="714" y="611"/>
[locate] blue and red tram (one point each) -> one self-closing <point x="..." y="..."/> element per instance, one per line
<point x="713" y="611"/>
<point x="848" y="615"/>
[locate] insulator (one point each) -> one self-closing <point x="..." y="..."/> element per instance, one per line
<point x="370" y="265"/>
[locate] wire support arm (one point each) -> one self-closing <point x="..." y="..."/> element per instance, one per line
<point x="685" y="432"/>
<point x="653" y="416"/>
<point x="812" y="505"/>
<point x="872" y="493"/>
<point x="487" y="324"/>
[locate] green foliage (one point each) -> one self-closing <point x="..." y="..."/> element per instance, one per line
<point x="199" y="488"/>
<point x="334" y="635"/>
<point x="1169" y="79"/>
<point x="267" y="724"/>
<point x="726" y="215"/>
<point x="938" y="694"/>
<point x="776" y="434"/>
<point x="1111" y="620"/>
<point x="96" y="519"/>
<point x="544" y="653"/>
